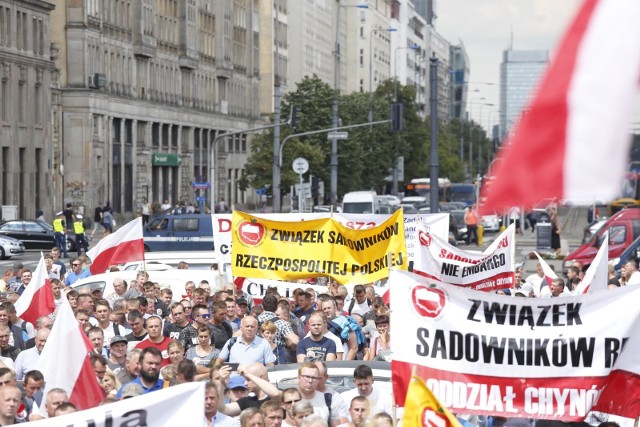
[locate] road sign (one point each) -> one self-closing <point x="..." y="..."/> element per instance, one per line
<point x="338" y="135"/>
<point x="201" y="199"/>
<point x="261" y="191"/>
<point x="300" y="165"/>
<point x="200" y="185"/>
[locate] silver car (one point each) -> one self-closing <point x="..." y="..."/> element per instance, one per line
<point x="10" y="247"/>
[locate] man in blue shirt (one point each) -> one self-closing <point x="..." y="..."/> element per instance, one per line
<point x="77" y="272"/>
<point x="149" y="378"/>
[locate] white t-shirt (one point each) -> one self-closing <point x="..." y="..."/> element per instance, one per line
<point x="379" y="401"/>
<point x="359" y="308"/>
<point x="634" y="279"/>
<point x="535" y="281"/>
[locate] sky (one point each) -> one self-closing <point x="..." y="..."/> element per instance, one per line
<point x="485" y="28"/>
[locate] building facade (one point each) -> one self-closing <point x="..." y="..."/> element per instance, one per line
<point x="459" y="81"/>
<point x="146" y="90"/>
<point x="520" y="71"/>
<point x="26" y="71"/>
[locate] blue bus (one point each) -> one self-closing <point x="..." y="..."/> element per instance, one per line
<point x="462" y="193"/>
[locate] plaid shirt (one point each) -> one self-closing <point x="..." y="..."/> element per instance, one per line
<point x="283" y="328"/>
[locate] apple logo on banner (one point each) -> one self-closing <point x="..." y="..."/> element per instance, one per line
<point x="424" y="238"/>
<point x="251" y="233"/>
<point x="428" y="302"/>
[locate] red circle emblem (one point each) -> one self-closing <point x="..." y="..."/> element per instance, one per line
<point x="428" y="302"/>
<point x="251" y="233"/>
<point x="424" y="238"/>
<point x="431" y="418"/>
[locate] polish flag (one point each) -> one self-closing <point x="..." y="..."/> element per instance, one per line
<point x="37" y="298"/>
<point x="65" y="363"/>
<point x="572" y="143"/>
<point x="549" y="274"/>
<point x="125" y="245"/>
<point x="597" y="275"/>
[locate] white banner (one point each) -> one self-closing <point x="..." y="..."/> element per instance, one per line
<point x="436" y="224"/>
<point x="487" y="271"/>
<point x="168" y="407"/>
<point x="552" y="358"/>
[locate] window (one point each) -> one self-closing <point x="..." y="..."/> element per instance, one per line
<point x="186" y="224"/>
<point x="362" y="57"/>
<point x="33" y="227"/>
<point x="12" y="226"/>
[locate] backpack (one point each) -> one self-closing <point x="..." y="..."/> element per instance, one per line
<point x="343" y="325"/>
<point x="230" y="344"/>
<point x="328" y="397"/>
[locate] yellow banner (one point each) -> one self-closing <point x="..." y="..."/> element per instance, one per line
<point x="422" y="409"/>
<point x="324" y="247"/>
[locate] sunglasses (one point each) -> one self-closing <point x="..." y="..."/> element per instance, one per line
<point x="204" y="316"/>
<point x="291" y="401"/>
<point x="75" y="265"/>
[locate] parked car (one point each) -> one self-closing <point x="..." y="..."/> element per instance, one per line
<point x="182" y="232"/>
<point x="34" y="234"/>
<point x="457" y="225"/>
<point x="491" y="222"/>
<point x="452" y="206"/>
<point x="10" y="247"/>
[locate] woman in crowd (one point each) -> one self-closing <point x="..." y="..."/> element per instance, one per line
<point x="383" y="340"/>
<point x="204" y="352"/>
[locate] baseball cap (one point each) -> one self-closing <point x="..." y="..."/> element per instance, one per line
<point x="117" y="339"/>
<point x="132" y="390"/>
<point x="241" y="301"/>
<point x="236" y="381"/>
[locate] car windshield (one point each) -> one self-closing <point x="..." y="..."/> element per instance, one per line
<point x="357" y="207"/>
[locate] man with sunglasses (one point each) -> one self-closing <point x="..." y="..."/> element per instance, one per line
<point x="76" y="273"/>
<point x="189" y="335"/>
<point x="289" y="397"/>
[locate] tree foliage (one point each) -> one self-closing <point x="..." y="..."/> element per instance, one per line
<point x="366" y="158"/>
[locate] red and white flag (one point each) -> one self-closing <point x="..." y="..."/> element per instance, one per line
<point x="125" y="245"/>
<point x="572" y="143"/>
<point x="37" y="298"/>
<point x="597" y="275"/>
<point x="549" y="274"/>
<point x="65" y="363"/>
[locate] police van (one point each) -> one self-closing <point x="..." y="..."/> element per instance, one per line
<point x="179" y="232"/>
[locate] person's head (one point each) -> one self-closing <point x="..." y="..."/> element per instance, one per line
<point x="308" y="377"/>
<point x="136" y="322"/>
<point x="317" y="324"/>
<point x="41" y="339"/>
<point x="304" y="300"/>
<point x="96" y="336"/>
<point x="283" y="311"/>
<point x="268" y="331"/>
<point x="119" y="286"/>
<point x="185" y="371"/>
<point x="102" y="311"/>
<point x="76" y="265"/>
<point x="7" y="377"/>
<point x="219" y="312"/>
<point x="25" y="277"/>
<point x="33" y="381"/>
<point x="109" y="382"/>
<point x="270" y="303"/>
<point x="382" y="419"/>
<point x="99" y="364"/>
<point x="557" y="287"/>
<point x="360" y="293"/>
<point x="141" y="277"/>
<point x="154" y="327"/>
<point x="177" y="313"/>
<point x="211" y="398"/>
<point x="199" y="296"/>
<point x="166" y="295"/>
<point x="55" y="398"/>
<point x="363" y="378"/>
<point x="82" y="316"/>
<point x="230" y="303"/>
<point x="10" y="400"/>
<point x="175" y="349"/>
<point x="56" y="288"/>
<point x="189" y="288"/>
<point x="382" y="324"/>
<point x="329" y="308"/>
<point x="249" y="328"/>
<point x="251" y="417"/>
<point x="85" y="302"/>
<point x="359" y="410"/>
<point x="201" y="315"/>
<point x="539" y="270"/>
<point x="272" y="413"/>
<point x="150" y="360"/>
<point x="204" y="335"/>
<point x="289" y="397"/>
<point x="5" y="335"/>
<point x="301" y="410"/>
<point x="118" y="345"/>
<point x="371" y="292"/>
<point x="65" y="408"/>
<point x="132" y="362"/>
<point x="241" y="307"/>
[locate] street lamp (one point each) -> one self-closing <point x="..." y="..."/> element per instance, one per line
<point x="395" y="68"/>
<point x="333" y="194"/>
<point x="375" y="30"/>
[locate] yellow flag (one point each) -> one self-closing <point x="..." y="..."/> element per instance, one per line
<point x="422" y="409"/>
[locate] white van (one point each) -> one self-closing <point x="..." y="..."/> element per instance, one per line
<point x="361" y="202"/>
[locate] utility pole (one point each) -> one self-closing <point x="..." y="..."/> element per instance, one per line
<point x="333" y="193"/>
<point x="276" y="129"/>
<point x="435" y="162"/>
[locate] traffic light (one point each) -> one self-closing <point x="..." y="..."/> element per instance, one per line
<point x="294" y="120"/>
<point x="397" y="113"/>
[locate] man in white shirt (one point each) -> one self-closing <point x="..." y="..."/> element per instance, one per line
<point x="363" y="377"/>
<point x="537" y="280"/>
<point x="632" y="275"/>
<point x="359" y="304"/>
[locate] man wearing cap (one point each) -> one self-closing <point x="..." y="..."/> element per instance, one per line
<point x="131" y="390"/>
<point x="237" y="387"/>
<point x="117" y="356"/>
<point x="81" y="240"/>
<point x="242" y="307"/>
<point x="60" y="233"/>
<point x="149" y="378"/>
